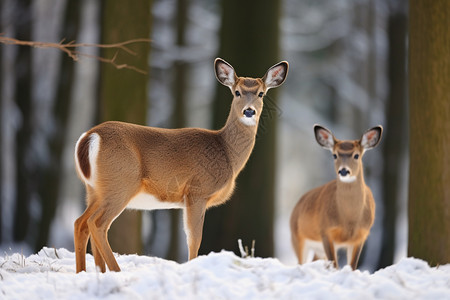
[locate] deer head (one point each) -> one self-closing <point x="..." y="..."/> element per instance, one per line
<point x="347" y="154"/>
<point x="248" y="92"/>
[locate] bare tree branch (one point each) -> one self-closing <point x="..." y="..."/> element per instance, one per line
<point x="69" y="49"/>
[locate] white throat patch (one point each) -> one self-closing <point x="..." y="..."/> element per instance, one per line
<point x="347" y="179"/>
<point x="248" y="121"/>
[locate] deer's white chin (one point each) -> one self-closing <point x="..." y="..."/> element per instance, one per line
<point x="248" y="121"/>
<point x="347" y="179"/>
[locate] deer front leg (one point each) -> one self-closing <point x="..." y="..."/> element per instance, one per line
<point x="194" y="216"/>
<point x="330" y="252"/>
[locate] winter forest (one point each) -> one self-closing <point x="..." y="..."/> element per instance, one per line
<point x="353" y="64"/>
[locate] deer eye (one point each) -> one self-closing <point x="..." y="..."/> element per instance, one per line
<point x="335" y="156"/>
<point x="356" y="156"/>
<point x="237" y="93"/>
<point x="261" y="94"/>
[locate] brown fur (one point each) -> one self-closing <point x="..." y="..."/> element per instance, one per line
<point x="346" y="146"/>
<point x="83" y="156"/>
<point x="251" y="82"/>
<point x="336" y="212"/>
<point x="192" y="167"/>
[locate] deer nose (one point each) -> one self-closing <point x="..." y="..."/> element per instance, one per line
<point x="344" y="172"/>
<point x="249" y="112"/>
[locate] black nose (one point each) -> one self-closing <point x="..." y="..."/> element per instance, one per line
<point x="249" y="112"/>
<point x="344" y="172"/>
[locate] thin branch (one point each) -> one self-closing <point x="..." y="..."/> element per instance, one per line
<point x="241" y="249"/>
<point x="69" y="49"/>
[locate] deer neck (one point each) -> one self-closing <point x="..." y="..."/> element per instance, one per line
<point x="239" y="140"/>
<point x="351" y="197"/>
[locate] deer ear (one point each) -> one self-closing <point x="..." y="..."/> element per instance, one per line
<point x="225" y="73"/>
<point x="276" y="75"/>
<point x="324" y="137"/>
<point x="371" y="137"/>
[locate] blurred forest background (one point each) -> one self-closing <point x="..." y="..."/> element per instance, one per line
<point x="347" y="72"/>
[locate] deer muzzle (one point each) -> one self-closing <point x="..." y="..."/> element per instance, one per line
<point x="343" y="172"/>
<point x="249" y="112"/>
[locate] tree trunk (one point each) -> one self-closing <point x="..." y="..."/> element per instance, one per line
<point x="25" y="164"/>
<point x="123" y="93"/>
<point x="429" y="90"/>
<point x="249" y="41"/>
<point x="179" y="116"/>
<point x="396" y="137"/>
<point x="2" y="116"/>
<point x="51" y="178"/>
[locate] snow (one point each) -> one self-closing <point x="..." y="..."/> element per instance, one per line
<point x="50" y="274"/>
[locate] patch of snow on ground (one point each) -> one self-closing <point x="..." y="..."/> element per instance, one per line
<point x="50" y="274"/>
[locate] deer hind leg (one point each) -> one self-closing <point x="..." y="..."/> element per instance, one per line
<point x="353" y="254"/>
<point x="99" y="262"/>
<point x="99" y="224"/>
<point x="98" y="258"/>
<point x="81" y="235"/>
<point x="194" y="216"/>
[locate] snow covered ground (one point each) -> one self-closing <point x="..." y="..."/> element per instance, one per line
<point x="50" y="274"/>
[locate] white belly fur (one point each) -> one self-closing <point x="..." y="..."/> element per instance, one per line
<point x="313" y="247"/>
<point x="149" y="202"/>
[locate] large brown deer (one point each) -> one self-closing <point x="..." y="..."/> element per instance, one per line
<point x="341" y="212"/>
<point x="129" y="166"/>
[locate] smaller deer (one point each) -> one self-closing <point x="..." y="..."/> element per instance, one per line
<point x="340" y="213"/>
